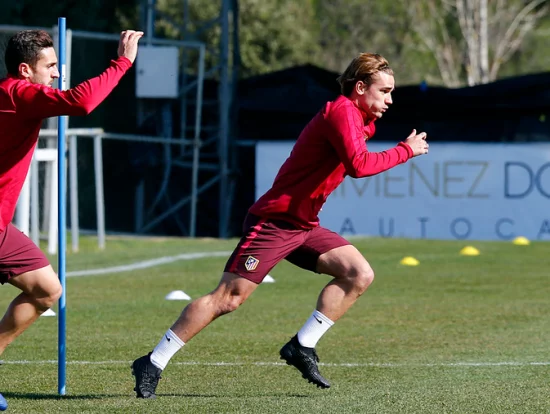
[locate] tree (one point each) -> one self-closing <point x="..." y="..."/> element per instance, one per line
<point x="347" y="28"/>
<point x="100" y="15"/>
<point x="273" y="34"/>
<point x="473" y="39"/>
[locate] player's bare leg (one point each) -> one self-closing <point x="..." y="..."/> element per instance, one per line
<point x="352" y="276"/>
<point x="231" y="292"/>
<point x="40" y="290"/>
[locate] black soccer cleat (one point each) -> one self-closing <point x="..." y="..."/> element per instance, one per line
<point x="305" y="360"/>
<point x="147" y="377"/>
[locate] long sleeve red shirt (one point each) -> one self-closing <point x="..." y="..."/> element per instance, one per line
<point x="23" y="107"/>
<point x="331" y="146"/>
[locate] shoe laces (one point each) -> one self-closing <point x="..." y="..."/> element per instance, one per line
<point x="311" y="353"/>
<point x="149" y="379"/>
<point x="149" y="382"/>
<point x="315" y="355"/>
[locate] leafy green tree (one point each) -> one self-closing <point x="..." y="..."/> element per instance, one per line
<point x="273" y="34"/>
<point x="349" y="27"/>
<point x="449" y="42"/>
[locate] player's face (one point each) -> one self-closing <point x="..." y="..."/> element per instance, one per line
<point x="45" y="71"/>
<point x="375" y="98"/>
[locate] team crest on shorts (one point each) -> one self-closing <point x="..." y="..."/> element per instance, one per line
<point x="251" y="263"/>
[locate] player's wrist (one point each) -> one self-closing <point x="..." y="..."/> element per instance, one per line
<point x="407" y="147"/>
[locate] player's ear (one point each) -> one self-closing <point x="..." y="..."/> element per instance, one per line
<point x="360" y="87"/>
<point x="25" y="70"/>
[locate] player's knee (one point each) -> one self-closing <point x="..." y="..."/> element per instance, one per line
<point x="363" y="279"/>
<point x="231" y="293"/>
<point x="48" y="292"/>
<point x="56" y="293"/>
<point x="230" y="304"/>
<point x="49" y="297"/>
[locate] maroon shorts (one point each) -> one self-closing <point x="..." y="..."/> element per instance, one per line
<point x="266" y="242"/>
<point x="18" y="254"/>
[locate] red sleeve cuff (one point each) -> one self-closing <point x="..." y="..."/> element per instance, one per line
<point x="408" y="148"/>
<point x="124" y="62"/>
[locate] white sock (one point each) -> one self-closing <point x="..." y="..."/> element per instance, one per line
<point x="166" y="348"/>
<point x="314" y="328"/>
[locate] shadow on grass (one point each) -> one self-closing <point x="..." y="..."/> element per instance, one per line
<point x="35" y="396"/>
<point x="269" y="395"/>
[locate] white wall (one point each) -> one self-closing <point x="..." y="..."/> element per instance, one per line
<point x="458" y="191"/>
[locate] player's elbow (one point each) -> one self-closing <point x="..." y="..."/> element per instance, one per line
<point x="357" y="173"/>
<point x="86" y="109"/>
<point x="353" y="172"/>
<point x="81" y="108"/>
<point x="358" y="169"/>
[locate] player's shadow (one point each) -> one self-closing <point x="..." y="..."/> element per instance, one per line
<point x="269" y="395"/>
<point x="36" y="396"/>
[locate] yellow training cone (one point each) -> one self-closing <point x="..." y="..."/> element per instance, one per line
<point x="469" y="251"/>
<point x="521" y="241"/>
<point x="409" y="261"/>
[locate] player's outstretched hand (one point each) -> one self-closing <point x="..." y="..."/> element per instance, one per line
<point x="128" y="44"/>
<point x="418" y="143"/>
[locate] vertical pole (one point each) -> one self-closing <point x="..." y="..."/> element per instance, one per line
<point x="197" y="145"/>
<point x="99" y="192"/>
<point x="35" y="227"/>
<point x="73" y="183"/>
<point x="61" y="195"/>
<point x="22" y="216"/>
<point x="223" y="96"/>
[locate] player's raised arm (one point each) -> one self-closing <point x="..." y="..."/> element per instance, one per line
<point x="35" y="99"/>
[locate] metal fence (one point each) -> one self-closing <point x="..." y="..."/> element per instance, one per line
<point x="186" y="154"/>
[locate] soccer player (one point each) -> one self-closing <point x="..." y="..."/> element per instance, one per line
<point x="284" y="223"/>
<point x="26" y="99"/>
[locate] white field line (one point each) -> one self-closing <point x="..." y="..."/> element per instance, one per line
<point x="340" y="365"/>
<point x="145" y="264"/>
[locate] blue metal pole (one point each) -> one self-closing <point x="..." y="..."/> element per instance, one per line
<point x="61" y="223"/>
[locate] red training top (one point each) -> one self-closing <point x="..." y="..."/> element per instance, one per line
<point x="23" y="106"/>
<point x="331" y="146"/>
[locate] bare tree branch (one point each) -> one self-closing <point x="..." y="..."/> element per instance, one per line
<point x="523" y="22"/>
<point x="491" y="33"/>
<point x="433" y="32"/>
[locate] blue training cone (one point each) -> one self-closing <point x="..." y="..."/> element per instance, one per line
<point x="3" y="403"/>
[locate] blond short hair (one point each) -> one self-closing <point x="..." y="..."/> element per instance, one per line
<point x="362" y="68"/>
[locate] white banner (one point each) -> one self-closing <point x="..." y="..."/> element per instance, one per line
<point x="457" y="191"/>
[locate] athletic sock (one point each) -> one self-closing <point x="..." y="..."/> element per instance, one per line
<point x="314" y="328"/>
<point x="166" y="348"/>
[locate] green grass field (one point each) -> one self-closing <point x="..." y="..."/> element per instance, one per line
<point x="455" y="334"/>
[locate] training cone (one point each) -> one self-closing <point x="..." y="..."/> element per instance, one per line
<point x="409" y="261"/>
<point x="469" y="251"/>
<point x="521" y="241"/>
<point x="177" y="295"/>
<point x="49" y="312"/>
<point x="268" y="279"/>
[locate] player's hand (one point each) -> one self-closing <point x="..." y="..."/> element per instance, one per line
<point x="418" y="143"/>
<point x="128" y="44"/>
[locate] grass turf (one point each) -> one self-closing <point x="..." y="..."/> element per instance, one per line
<point x="455" y="334"/>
